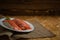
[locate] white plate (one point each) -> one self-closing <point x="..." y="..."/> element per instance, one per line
<point x="31" y="26"/>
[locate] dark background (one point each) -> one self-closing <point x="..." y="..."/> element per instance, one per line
<point x="30" y="7"/>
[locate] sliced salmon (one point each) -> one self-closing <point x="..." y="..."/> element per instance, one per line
<point x="21" y="23"/>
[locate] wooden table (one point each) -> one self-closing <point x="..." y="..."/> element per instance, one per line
<point x="39" y="32"/>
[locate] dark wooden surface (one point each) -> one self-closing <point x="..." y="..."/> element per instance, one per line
<point x="9" y="7"/>
<point x="29" y="7"/>
<point x="4" y="37"/>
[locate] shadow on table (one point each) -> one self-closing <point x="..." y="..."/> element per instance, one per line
<point x="4" y="37"/>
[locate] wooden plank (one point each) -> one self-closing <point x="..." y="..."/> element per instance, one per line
<point x="39" y="31"/>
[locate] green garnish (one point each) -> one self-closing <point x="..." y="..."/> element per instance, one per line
<point x="7" y="18"/>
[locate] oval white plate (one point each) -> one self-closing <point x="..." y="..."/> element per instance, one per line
<point x="31" y="26"/>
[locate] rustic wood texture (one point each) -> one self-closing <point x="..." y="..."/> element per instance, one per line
<point x="13" y="7"/>
<point x="29" y="7"/>
<point x="30" y="4"/>
<point x="38" y="32"/>
<point x="50" y="22"/>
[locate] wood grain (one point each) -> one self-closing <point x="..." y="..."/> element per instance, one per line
<point x="49" y="22"/>
<point x="29" y="7"/>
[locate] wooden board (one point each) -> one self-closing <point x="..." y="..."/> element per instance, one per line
<point x="39" y="31"/>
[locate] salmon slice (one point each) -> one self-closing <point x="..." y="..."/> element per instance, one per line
<point x="12" y="23"/>
<point x="21" y="23"/>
